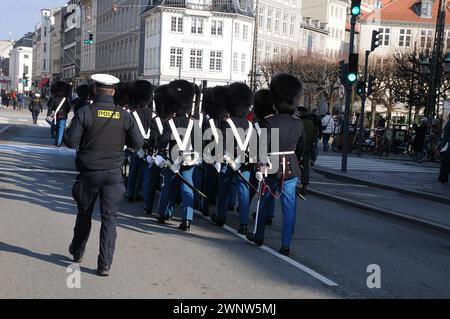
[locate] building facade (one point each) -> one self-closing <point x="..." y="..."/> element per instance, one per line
<point x="56" y="52"/>
<point x="71" y="41"/>
<point x="21" y="63"/>
<point x="88" y="27"/>
<point x="211" y="41"/>
<point x="42" y="51"/>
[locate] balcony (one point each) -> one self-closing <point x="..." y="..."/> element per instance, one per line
<point x="243" y="7"/>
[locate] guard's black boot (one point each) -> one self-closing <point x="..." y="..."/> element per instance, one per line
<point x="77" y="257"/>
<point x="251" y="237"/>
<point x="242" y="229"/>
<point x="161" y="219"/>
<point x="231" y="208"/>
<point x="185" y="225"/>
<point x="217" y="220"/>
<point x="303" y="190"/>
<point x="103" y="272"/>
<point x="269" y="221"/>
<point x="284" y="250"/>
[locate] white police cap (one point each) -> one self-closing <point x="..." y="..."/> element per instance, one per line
<point x="105" y="79"/>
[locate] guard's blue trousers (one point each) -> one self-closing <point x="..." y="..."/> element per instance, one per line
<point x="225" y="187"/>
<point x="288" y="205"/>
<point x="254" y="182"/>
<point x="151" y="184"/>
<point x="168" y="194"/>
<point x="135" y="177"/>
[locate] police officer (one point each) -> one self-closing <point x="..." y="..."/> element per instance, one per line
<point x="99" y="132"/>
<point x="237" y="162"/>
<point x="285" y="90"/>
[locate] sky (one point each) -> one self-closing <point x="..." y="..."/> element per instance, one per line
<point x="21" y="16"/>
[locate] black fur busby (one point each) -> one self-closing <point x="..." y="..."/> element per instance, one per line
<point x="285" y="90"/>
<point x="239" y="99"/>
<point x="162" y="103"/>
<point x="181" y="94"/>
<point x="122" y="94"/>
<point x="60" y="89"/>
<point x="83" y="91"/>
<point x="263" y="104"/>
<point x="141" y="93"/>
<point x="216" y="106"/>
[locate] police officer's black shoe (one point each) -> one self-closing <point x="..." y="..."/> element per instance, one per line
<point x="242" y="229"/>
<point x="102" y="272"/>
<point x="251" y="237"/>
<point x="284" y="250"/>
<point x="77" y="257"/>
<point x="185" y="225"/>
<point x="254" y="215"/>
<point x="269" y="221"/>
<point x="161" y="220"/>
<point x="217" y="220"/>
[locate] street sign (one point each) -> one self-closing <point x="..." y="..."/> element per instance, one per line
<point x="342" y="91"/>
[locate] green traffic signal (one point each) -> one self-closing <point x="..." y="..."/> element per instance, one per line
<point x="352" y="77"/>
<point x="356" y="7"/>
<point x="356" y="10"/>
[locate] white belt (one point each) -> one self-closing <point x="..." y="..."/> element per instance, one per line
<point x="282" y="153"/>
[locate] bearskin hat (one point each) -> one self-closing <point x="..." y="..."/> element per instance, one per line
<point x="263" y="104"/>
<point x="141" y="93"/>
<point x="239" y="99"/>
<point x="162" y="104"/>
<point x="216" y="106"/>
<point x="122" y="94"/>
<point x="285" y="90"/>
<point x="83" y="91"/>
<point x="60" y="89"/>
<point x="181" y="94"/>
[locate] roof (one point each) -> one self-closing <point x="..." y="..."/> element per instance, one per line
<point x="405" y="11"/>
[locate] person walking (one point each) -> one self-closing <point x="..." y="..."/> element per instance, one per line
<point x="327" y="130"/>
<point x="35" y="107"/>
<point x="419" y="141"/>
<point x="21" y="100"/>
<point x="99" y="132"/>
<point x="445" y="155"/>
<point x="59" y="108"/>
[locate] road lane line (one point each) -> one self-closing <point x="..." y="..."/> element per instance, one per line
<point x="290" y="261"/>
<point x="5" y="128"/>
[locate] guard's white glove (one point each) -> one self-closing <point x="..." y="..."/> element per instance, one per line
<point x="259" y="176"/>
<point x="160" y="161"/>
<point x="218" y="167"/>
<point x="150" y="160"/>
<point x="141" y="153"/>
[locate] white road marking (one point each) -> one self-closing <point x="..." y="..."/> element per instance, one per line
<point x="292" y="262"/>
<point x="23" y="120"/>
<point x="5" y="128"/>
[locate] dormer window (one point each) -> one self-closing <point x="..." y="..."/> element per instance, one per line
<point x="427" y="9"/>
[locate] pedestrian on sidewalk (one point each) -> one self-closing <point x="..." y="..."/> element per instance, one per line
<point x="35" y="107"/>
<point x="419" y="141"/>
<point x="14" y="99"/>
<point x="445" y="155"/>
<point x="21" y="100"/>
<point x="328" y="129"/>
<point x="59" y="108"/>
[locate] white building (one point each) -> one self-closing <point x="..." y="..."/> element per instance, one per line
<point x="88" y="27"/>
<point x="71" y="41"/>
<point x="42" y="50"/>
<point x="56" y="48"/>
<point x="414" y="27"/>
<point x="334" y="14"/>
<point x="21" y="63"/>
<point x="198" y="40"/>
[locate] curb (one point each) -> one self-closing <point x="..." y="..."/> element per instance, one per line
<point x="343" y="177"/>
<point x="378" y="210"/>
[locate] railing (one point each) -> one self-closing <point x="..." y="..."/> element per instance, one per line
<point x="229" y="6"/>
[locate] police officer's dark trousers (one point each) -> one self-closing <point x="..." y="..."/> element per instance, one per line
<point x="109" y="187"/>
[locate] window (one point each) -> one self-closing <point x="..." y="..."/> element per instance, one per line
<point x="261" y="17"/>
<point x="26" y="56"/>
<point x="197" y="26"/>
<point x="277" y="21"/>
<point x="426" y="10"/>
<point x="268" y="48"/>
<point x="245" y="32"/>
<point x="285" y="18"/>
<point x="269" y="19"/>
<point x="215" y="61"/>
<point x="385" y="36"/>
<point x="405" y="38"/>
<point x="217" y="27"/>
<point x="448" y="40"/>
<point x="45" y="64"/>
<point x="25" y="69"/>
<point x="45" y="31"/>
<point x="292" y="28"/>
<point x="237" y="30"/>
<point x="275" y="53"/>
<point x="176" y="24"/>
<point x="426" y="38"/>
<point x="196" y="59"/>
<point x="176" y="57"/>
<point x="45" y="47"/>
<point x="235" y="62"/>
<point x="243" y="62"/>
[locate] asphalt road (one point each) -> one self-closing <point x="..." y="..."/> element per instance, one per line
<point x="333" y="244"/>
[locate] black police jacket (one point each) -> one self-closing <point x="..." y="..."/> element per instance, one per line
<point x="106" y="150"/>
<point x="291" y="139"/>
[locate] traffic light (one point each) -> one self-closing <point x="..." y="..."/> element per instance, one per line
<point x="371" y="84"/>
<point x="356" y="7"/>
<point x="376" y="40"/>
<point x="352" y="75"/>
<point x="25" y="80"/>
<point x="90" y="40"/>
<point x="343" y="68"/>
<point x="360" y="88"/>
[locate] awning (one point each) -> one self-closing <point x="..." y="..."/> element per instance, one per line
<point x="44" y="82"/>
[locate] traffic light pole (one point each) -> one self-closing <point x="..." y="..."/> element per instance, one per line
<point x="363" y="104"/>
<point x="348" y="99"/>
